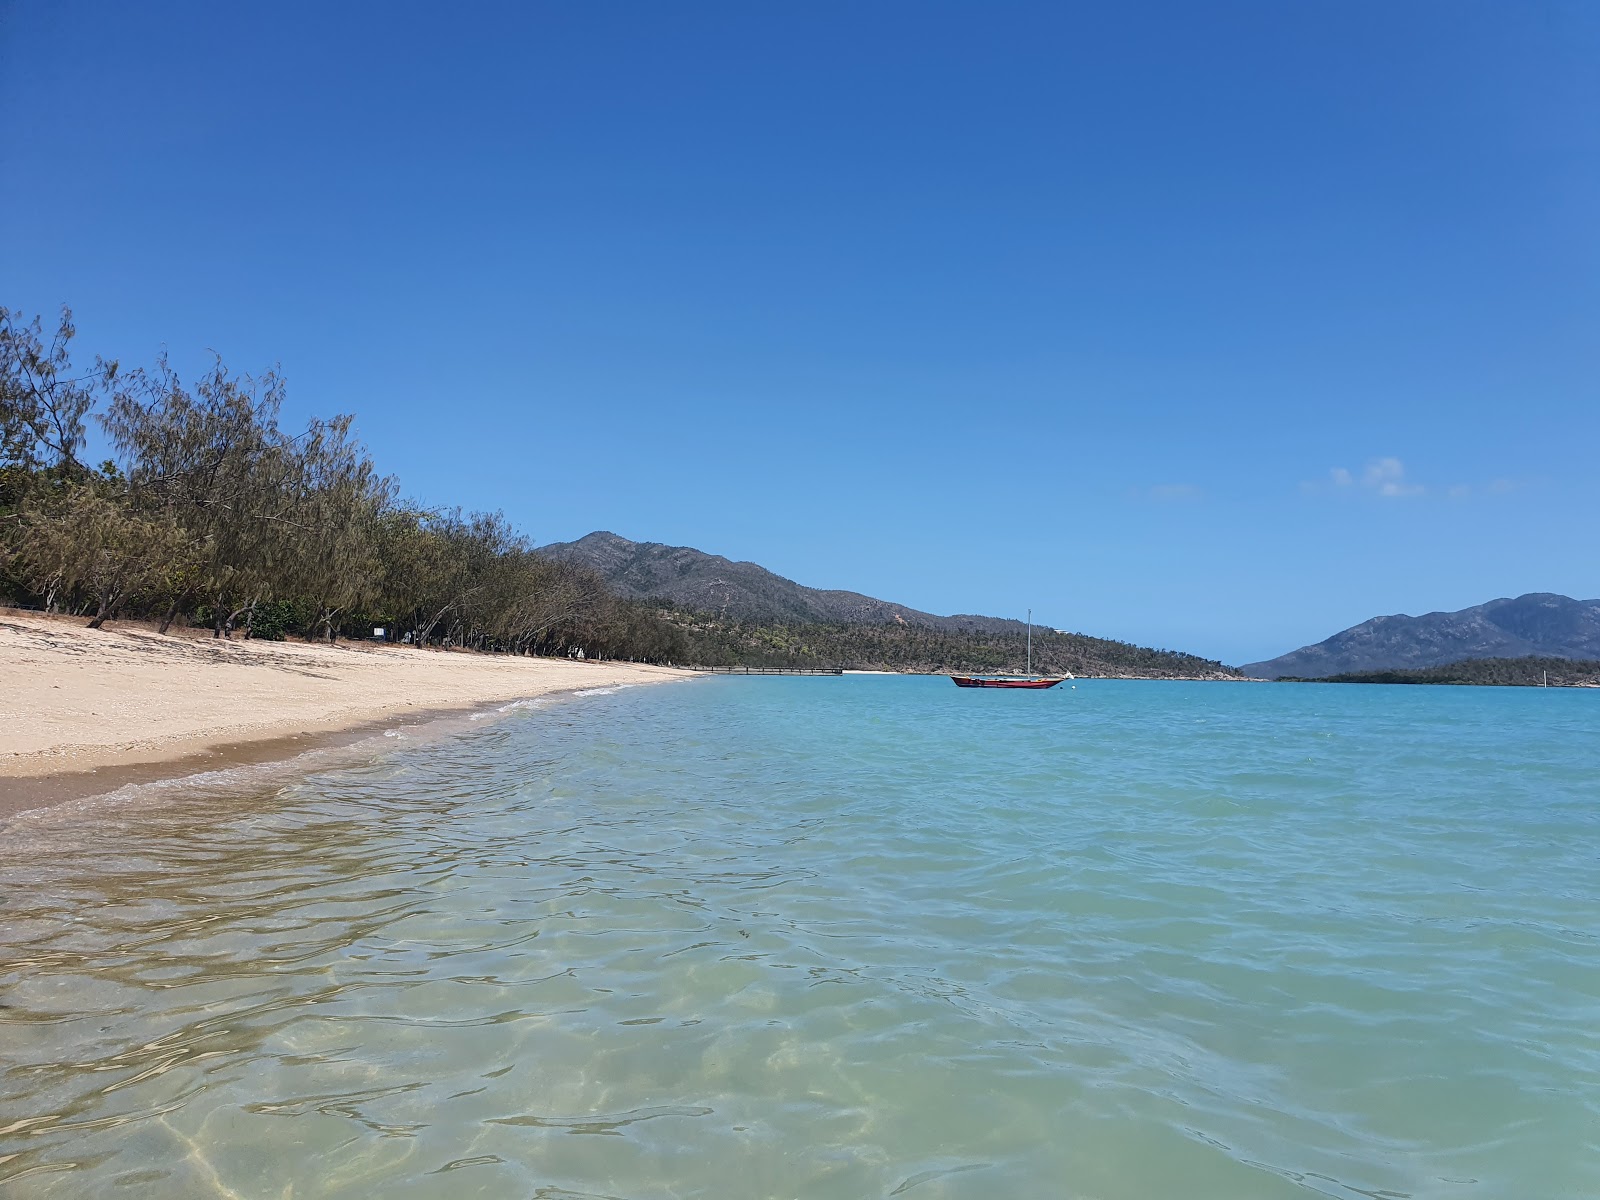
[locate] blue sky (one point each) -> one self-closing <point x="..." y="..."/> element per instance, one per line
<point x="1219" y="326"/>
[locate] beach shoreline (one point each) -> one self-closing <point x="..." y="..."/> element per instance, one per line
<point x="84" y="712"/>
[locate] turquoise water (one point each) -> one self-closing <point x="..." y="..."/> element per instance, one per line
<point x="848" y="937"/>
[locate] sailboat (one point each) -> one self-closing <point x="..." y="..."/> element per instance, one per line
<point x="1030" y="680"/>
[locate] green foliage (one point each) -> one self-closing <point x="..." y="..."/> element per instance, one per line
<point x="43" y="400"/>
<point x="274" y="620"/>
<point x="1493" y="672"/>
<point x="214" y="512"/>
<point x="714" y="641"/>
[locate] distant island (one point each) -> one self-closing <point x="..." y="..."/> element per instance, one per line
<point x="1537" y="625"/>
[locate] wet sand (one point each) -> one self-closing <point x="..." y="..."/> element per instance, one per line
<point x="85" y="711"/>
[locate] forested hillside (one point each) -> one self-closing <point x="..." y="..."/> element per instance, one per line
<point x="919" y="648"/>
<point x="740" y="612"/>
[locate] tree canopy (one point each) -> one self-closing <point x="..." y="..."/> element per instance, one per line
<point x="212" y="512"/>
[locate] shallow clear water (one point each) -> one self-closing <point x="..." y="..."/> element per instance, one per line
<point x="836" y="938"/>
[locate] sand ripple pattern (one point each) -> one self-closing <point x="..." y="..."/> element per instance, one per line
<point x="836" y="938"/>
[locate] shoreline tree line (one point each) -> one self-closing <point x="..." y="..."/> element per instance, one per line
<point x="212" y="513"/>
<point x="1530" y="671"/>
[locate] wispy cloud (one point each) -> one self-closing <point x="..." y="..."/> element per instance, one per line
<point x="1385" y="476"/>
<point x="1381" y="477"/>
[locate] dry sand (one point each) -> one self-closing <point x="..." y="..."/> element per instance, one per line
<point x="83" y="710"/>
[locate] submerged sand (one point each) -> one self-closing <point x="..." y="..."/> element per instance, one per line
<point x="75" y="701"/>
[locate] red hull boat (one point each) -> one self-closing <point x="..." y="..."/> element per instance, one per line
<point x="981" y="681"/>
<point x="1030" y="680"/>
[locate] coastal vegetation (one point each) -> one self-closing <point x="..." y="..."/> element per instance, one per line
<point x="211" y="513"/>
<point x="920" y="648"/>
<point x="1532" y="671"/>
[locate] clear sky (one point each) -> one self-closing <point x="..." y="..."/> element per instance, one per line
<point x="1215" y="326"/>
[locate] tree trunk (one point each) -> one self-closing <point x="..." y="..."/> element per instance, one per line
<point x="426" y="630"/>
<point x="171" y="614"/>
<point x="106" y="602"/>
<point x="236" y="614"/>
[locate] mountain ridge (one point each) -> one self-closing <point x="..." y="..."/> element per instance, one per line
<point x="1536" y="624"/>
<point x="743" y="591"/>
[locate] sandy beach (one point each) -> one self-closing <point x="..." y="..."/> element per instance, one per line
<point x="85" y="710"/>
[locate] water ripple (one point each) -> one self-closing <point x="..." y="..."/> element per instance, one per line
<point x="836" y="938"/>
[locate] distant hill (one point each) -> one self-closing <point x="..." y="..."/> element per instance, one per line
<point x="742" y="591"/>
<point x="739" y="613"/>
<point x="1540" y="624"/>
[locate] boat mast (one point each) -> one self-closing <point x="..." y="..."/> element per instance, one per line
<point x="1030" y="641"/>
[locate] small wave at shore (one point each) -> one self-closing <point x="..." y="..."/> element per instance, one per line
<point x="251" y="774"/>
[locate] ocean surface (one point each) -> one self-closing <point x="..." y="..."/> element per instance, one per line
<point x="834" y="938"/>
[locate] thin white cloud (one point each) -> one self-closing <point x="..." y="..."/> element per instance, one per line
<point x="1382" y="477"/>
<point x="1386" y="477"/>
